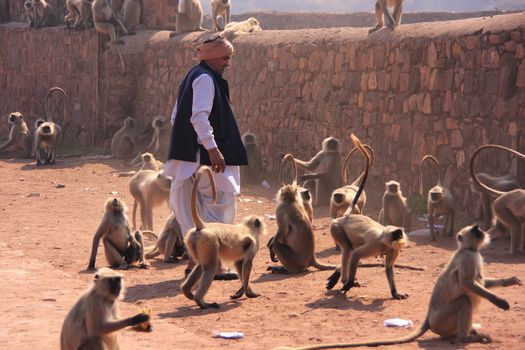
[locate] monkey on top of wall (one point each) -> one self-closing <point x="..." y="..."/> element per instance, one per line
<point x="381" y="9"/>
<point x="457" y="293"/>
<point x="220" y="9"/>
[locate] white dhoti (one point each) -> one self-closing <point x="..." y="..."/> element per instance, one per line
<point x="227" y="186"/>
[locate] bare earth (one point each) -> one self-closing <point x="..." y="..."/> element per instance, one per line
<point x="46" y="238"/>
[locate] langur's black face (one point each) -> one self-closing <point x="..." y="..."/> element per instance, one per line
<point x="436" y="196"/>
<point x="115" y="285"/>
<point x="393" y="188"/>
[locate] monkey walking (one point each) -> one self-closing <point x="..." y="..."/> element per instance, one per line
<point x="150" y="189"/>
<point x="19" y="136"/>
<point x="94" y="321"/>
<point x="456" y="295"/>
<point x="120" y="246"/>
<point x="509" y="208"/>
<point x="504" y="183"/>
<point x="381" y="9"/>
<point x="394" y="209"/>
<point x="439" y="201"/>
<point x="325" y="171"/>
<point x="209" y="242"/>
<point x="169" y="243"/>
<point x="220" y="9"/>
<point x="148" y="163"/>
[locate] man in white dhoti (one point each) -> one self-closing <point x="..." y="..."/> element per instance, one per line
<point x="205" y="133"/>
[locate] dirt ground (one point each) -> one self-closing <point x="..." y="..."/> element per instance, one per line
<point x="46" y="237"/>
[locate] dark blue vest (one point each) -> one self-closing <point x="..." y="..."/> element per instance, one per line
<point x="226" y="133"/>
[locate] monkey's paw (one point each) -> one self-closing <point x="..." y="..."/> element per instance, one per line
<point x="502" y="304"/>
<point x="238" y="294"/>
<point x="144" y="265"/>
<point x="398" y="296"/>
<point x="512" y="281"/>
<point x="252" y="294"/>
<point x="349" y="285"/>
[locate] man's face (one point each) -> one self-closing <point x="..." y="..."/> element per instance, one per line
<point x="220" y="64"/>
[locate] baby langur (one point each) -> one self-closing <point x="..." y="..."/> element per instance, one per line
<point x="150" y="189"/>
<point x="189" y="17"/>
<point x="94" y="321"/>
<point x="504" y="183"/>
<point x="395" y="211"/>
<point x="120" y="246"/>
<point x="457" y="293"/>
<point x="45" y="14"/>
<point x="131" y="11"/>
<point x="148" y="163"/>
<point x="169" y="243"/>
<point x="220" y="9"/>
<point x="48" y="132"/>
<point x="439" y="202"/>
<point x="393" y="21"/>
<point x="19" y="136"/>
<point x="30" y="13"/>
<point x="105" y="20"/>
<point x="209" y="242"/>
<point x="325" y="171"/>
<point x="253" y="172"/>
<point x="509" y="210"/>
<point x="343" y="197"/>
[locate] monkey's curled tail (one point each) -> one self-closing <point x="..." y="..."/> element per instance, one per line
<point x="362" y="149"/>
<point x="197" y="220"/>
<point x="345" y="164"/>
<point x="406" y="339"/>
<point x="436" y="162"/>
<point x="48" y="96"/>
<point x="288" y="157"/>
<point x="151" y="251"/>
<point x="475" y="177"/>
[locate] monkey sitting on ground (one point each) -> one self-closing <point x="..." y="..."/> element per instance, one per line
<point x="80" y="13"/>
<point x="327" y="167"/>
<point x="220" y="8"/>
<point x="93" y="322"/>
<point x="48" y="132"/>
<point x="509" y="210"/>
<point x="120" y="247"/>
<point x="160" y="141"/>
<point x="234" y="29"/>
<point x="456" y="295"/>
<point x="189" y="17"/>
<point x="126" y="140"/>
<point x="131" y="11"/>
<point x="169" y="243"/>
<point x="105" y="20"/>
<point x="504" y="183"/>
<point x="306" y="198"/>
<point x="148" y="163"/>
<point x="394" y="209"/>
<point x="150" y="189"/>
<point x="19" y="136"/>
<point x="382" y="12"/>
<point x="342" y="197"/>
<point x="209" y="242"/>
<point x="439" y="201"/>
<point x="253" y="172"/>
<point x="30" y="13"/>
<point x="45" y="14"/>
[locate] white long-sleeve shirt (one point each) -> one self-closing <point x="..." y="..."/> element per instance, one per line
<point x="179" y="170"/>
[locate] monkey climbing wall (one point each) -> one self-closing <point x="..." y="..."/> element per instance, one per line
<point x="441" y="87"/>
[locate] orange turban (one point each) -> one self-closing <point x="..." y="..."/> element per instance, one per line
<point x="215" y="48"/>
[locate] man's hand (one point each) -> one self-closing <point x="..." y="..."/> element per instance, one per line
<point x="217" y="160"/>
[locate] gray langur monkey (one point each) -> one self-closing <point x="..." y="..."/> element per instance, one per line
<point x="381" y="9"/>
<point x="120" y="246"/>
<point x="150" y="189"/>
<point x="148" y="163"/>
<point x="170" y="242"/>
<point x="45" y="14"/>
<point x="19" y="136"/>
<point x="160" y="141"/>
<point x="209" y="242"/>
<point x="94" y="321"/>
<point x="253" y="172"/>
<point x="306" y="198"/>
<point x="126" y="140"/>
<point x="342" y="197"/>
<point x="105" y="20"/>
<point x="394" y="209"/>
<point x="48" y="132"/>
<point x="220" y="9"/>
<point x="80" y="13"/>
<point x="189" y="17"/>
<point x="508" y="208"/>
<point x="439" y="201"/>
<point x="234" y="29"/>
<point x="504" y="183"/>
<point x="30" y="13"/>
<point x="131" y="11"/>
<point x="325" y="171"/>
<point x="116" y="6"/>
<point x="457" y="293"/>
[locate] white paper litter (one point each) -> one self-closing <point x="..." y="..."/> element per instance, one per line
<point x="265" y="184"/>
<point x="228" y="335"/>
<point x="270" y="216"/>
<point x="397" y="322"/>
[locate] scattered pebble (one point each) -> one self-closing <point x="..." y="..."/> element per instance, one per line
<point x="60" y="186"/>
<point x="33" y="194"/>
<point x="245" y="200"/>
<point x="294" y="315"/>
<point x="114" y="193"/>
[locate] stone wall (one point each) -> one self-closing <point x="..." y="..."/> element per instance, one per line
<point x="441" y="88"/>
